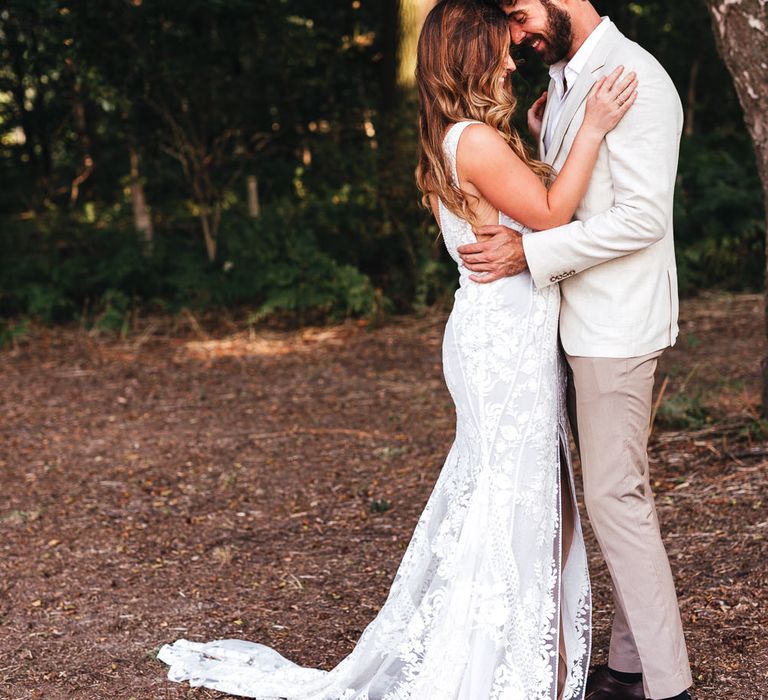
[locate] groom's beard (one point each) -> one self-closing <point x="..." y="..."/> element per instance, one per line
<point x="556" y="43"/>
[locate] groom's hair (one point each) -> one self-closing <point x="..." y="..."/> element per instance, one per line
<point x="512" y="3"/>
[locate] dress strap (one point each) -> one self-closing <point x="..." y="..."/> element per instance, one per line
<point x="451" y="144"/>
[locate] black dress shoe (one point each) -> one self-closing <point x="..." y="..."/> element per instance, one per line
<point x="601" y="685"/>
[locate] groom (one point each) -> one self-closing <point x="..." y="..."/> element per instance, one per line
<point x="616" y="268"/>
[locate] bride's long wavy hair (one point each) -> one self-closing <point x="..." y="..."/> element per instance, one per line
<point x="461" y="75"/>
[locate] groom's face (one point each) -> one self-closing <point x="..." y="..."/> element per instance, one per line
<point x="542" y="25"/>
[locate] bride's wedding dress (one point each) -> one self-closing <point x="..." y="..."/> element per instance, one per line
<point x="481" y="607"/>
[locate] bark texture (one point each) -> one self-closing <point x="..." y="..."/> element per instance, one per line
<point x="254" y="207"/>
<point x="741" y="32"/>
<point x="142" y="219"/>
<point x="412" y="16"/>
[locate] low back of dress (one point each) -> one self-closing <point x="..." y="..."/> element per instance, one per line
<point x="457" y="231"/>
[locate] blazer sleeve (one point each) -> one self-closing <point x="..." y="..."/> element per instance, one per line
<point x="642" y="158"/>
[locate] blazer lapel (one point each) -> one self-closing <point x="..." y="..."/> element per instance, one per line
<point x="545" y="119"/>
<point x="578" y="93"/>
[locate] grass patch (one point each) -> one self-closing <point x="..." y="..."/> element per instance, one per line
<point x="682" y="411"/>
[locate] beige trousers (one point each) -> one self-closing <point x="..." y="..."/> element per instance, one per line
<point x="610" y="408"/>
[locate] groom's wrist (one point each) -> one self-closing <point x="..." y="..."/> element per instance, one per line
<point x="519" y="261"/>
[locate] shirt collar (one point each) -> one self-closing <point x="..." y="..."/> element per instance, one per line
<point x="571" y="69"/>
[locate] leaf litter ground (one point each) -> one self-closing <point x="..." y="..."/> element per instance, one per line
<point x="196" y="480"/>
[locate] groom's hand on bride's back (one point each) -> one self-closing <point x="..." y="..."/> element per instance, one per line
<point x="501" y="255"/>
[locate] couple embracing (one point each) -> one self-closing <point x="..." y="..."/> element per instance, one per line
<point x="567" y="298"/>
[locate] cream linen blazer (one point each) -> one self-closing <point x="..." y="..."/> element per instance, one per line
<point x="616" y="262"/>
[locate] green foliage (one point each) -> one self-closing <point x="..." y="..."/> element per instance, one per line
<point x="755" y="430"/>
<point x="719" y="217"/>
<point x="682" y="411"/>
<point x="54" y="270"/>
<point x="115" y="311"/>
<point x="198" y="96"/>
<point x="11" y="330"/>
<point x="54" y="278"/>
<point x="307" y="281"/>
<point x="380" y="506"/>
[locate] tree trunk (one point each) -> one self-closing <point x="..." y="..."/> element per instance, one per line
<point x="741" y="32"/>
<point x="412" y="16"/>
<point x="401" y="25"/>
<point x="254" y="208"/>
<point x="81" y="126"/>
<point x="208" y="235"/>
<point x="210" y="219"/>
<point x="690" y="102"/>
<point x="141" y="217"/>
<point x="389" y="40"/>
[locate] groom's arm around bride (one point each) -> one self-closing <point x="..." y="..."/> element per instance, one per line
<point x="615" y="261"/>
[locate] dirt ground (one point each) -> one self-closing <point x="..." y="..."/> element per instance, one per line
<point x="199" y="480"/>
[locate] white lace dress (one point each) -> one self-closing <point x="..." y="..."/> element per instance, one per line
<point x="480" y="600"/>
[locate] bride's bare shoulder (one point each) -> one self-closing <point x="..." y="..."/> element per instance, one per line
<point x="481" y="135"/>
<point x="483" y="145"/>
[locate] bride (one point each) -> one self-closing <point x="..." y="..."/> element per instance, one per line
<point x="491" y="600"/>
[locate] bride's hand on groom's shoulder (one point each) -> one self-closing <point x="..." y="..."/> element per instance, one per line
<point x="609" y="100"/>
<point x="501" y="255"/>
<point x="536" y="115"/>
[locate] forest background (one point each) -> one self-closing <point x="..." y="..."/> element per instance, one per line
<point x="258" y="156"/>
<point x="173" y="174"/>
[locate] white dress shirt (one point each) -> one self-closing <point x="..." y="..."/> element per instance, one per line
<point x="565" y="74"/>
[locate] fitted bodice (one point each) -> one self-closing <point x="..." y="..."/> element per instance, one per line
<point x="457" y="231"/>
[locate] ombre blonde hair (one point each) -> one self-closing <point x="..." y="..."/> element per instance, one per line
<point x="460" y="74"/>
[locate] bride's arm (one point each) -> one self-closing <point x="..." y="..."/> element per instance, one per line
<point x="508" y="184"/>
